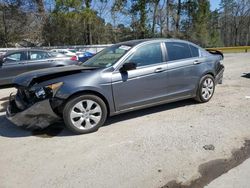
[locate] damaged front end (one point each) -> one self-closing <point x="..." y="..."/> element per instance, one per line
<point x="36" y="104"/>
<point x="32" y="107"/>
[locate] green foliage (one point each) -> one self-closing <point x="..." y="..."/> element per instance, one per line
<point x="73" y="22"/>
<point x="71" y="28"/>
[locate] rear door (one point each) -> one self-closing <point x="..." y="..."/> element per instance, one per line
<point x="39" y="60"/>
<point x="13" y="65"/>
<point x="144" y="85"/>
<point x="183" y="68"/>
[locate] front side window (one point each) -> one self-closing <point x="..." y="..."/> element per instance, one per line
<point x="36" y="55"/>
<point x="147" y="55"/>
<point x="178" y="50"/>
<point x="14" y="57"/>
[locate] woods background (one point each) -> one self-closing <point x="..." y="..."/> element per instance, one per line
<point x="80" y="22"/>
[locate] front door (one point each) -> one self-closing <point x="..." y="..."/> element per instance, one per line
<point x="39" y="60"/>
<point x="146" y="84"/>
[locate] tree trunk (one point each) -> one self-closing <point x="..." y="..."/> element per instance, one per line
<point x="89" y="34"/>
<point x="167" y="15"/>
<point x="143" y="17"/>
<point x="178" y="15"/>
<point x="40" y="7"/>
<point x="156" y="3"/>
<point x="5" y="30"/>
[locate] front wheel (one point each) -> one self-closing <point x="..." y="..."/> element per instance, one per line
<point x="84" y="114"/>
<point x="205" y="89"/>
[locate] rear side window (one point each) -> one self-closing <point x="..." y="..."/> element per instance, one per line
<point x="35" y="55"/>
<point x="147" y="55"/>
<point x="178" y="50"/>
<point x="194" y="51"/>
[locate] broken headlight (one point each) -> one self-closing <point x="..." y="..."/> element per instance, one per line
<point x="48" y="91"/>
<point x="40" y="93"/>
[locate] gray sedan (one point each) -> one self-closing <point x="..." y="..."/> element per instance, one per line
<point x="16" y="62"/>
<point x="124" y="77"/>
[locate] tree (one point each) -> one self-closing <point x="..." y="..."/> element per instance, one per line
<point x="155" y="12"/>
<point x="70" y="22"/>
<point x="178" y="16"/>
<point x="13" y="23"/>
<point x="139" y="7"/>
<point x="235" y="22"/>
<point x="40" y="7"/>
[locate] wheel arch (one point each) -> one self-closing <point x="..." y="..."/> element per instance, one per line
<point x="197" y="95"/>
<point x="89" y="92"/>
<point x="209" y="72"/>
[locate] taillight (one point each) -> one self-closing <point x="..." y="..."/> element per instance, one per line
<point x="73" y="58"/>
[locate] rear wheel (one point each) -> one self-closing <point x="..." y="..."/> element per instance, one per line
<point x="84" y="114"/>
<point x="205" y="89"/>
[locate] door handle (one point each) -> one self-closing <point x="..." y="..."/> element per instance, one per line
<point x="160" y="69"/>
<point x="196" y="62"/>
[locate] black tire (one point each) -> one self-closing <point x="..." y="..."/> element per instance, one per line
<point x="72" y="102"/>
<point x="199" y="97"/>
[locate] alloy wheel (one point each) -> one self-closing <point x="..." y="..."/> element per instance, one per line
<point x="86" y="114"/>
<point x="207" y="88"/>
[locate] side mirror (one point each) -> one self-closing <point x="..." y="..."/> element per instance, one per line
<point x="128" y="66"/>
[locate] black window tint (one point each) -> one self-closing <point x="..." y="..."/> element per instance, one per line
<point x="147" y="55"/>
<point x="35" y="55"/>
<point x="194" y="50"/>
<point x="178" y="50"/>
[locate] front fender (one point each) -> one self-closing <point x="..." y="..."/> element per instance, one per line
<point x="104" y="90"/>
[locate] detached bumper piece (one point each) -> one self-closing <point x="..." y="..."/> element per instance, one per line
<point x="219" y="76"/>
<point x="37" y="116"/>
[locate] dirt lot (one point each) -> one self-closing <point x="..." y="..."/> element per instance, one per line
<point x="172" y="145"/>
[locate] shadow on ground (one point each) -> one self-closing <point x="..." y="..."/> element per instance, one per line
<point x="147" y="111"/>
<point x="246" y="75"/>
<point x="211" y="170"/>
<point x="7" y="129"/>
<point x="6" y="86"/>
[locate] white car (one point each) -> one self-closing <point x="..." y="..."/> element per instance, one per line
<point x="67" y="52"/>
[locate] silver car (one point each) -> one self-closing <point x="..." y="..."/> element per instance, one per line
<point x="16" y="62"/>
<point x="124" y="77"/>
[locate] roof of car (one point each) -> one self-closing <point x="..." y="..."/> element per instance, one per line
<point x="133" y="43"/>
<point x="24" y="50"/>
<point x="139" y="41"/>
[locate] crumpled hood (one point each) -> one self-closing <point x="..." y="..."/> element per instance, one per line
<point x="29" y="78"/>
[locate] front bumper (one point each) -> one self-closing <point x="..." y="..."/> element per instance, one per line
<point x="39" y="115"/>
<point x="219" y="75"/>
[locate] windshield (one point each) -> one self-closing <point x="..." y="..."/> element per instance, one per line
<point x="107" y="57"/>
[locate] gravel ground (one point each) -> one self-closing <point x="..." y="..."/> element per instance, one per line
<point x="148" y="148"/>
